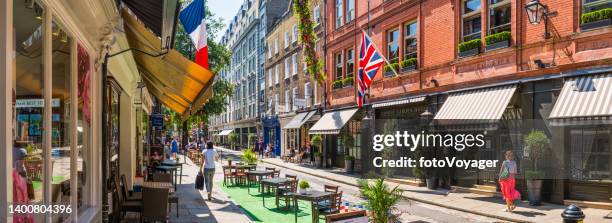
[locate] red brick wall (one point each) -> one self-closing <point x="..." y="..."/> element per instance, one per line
<point x="439" y="31"/>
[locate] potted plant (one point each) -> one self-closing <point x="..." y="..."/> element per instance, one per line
<point x="233" y="138"/>
<point x="229" y="160"/>
<point x="252" y="139"/>
<point x="304" y="185"/>
<point x="348" y="81"/>
<point x="469" y="48"/>
<point x="316" y="140"/>
<point x="498" y="40"/>
<point x="389" y="70"/>
<point x="409" y="64"/>
<point x="381" y="199"/>
<point x="349" y="162"/>
<point x="249" y="157"/>
<point x="596" y="19"/>
<point x="337" y="84"/>
<point x="536" y="145"/>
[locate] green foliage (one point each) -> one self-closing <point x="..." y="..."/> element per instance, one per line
<point x="392" y="65"/>
<point x="303" y="11"/>
<point x="468" y="45"/>
<point x="229" y="158"/>
<point x="348" y="81"/>
<point x="249" y="156"/>
<point x="349" y="157"/>
<point x="316" y="140"/>
<point x="498" y="37"/>
<point x="536" y="143"/>
<point x="252" y="137"/>
<point x="418" y="172"/>
<point x="337" y="84"/>
<point x="381" y="199"/>
<point x="317" y="154"/>
<point x="233" y="138"/>
<point x="409" y="62"/>
<point x="304" y="184"/>
<point x="598" y="15"/>
<point x="348" y="140"/>
<point x="534" y="175"/>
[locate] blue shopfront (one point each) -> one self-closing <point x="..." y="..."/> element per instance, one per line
<point x="271" y="133"/>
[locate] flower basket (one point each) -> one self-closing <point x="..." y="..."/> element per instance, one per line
<point x="469" y="48"/>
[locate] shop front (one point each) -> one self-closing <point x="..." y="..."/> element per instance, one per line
<point x="332" y="127"/>
<point x="272" y="133"/>
<point x="295" y="132"/>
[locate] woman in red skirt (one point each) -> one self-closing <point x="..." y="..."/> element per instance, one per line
<point x="507" y="181"/>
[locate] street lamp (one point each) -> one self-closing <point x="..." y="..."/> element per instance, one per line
<point x="537" y="12"/>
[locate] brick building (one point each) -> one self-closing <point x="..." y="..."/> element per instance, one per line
<point x="292" y="96"/>
<point x="531" y="74"/>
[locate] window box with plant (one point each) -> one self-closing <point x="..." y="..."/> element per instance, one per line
<point x="596" y="19"/>
<point x="409" y="65"/>
<point x="469" y="48"/>
<point x="390" y="67"/>
<point x="337" y="83"/>
<point x="348" y="81"/>
<point x="498" y="40"/>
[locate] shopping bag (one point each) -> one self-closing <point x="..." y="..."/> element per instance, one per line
<point x="199" y="184"/>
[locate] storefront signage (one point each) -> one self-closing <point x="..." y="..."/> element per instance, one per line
<point x="157" y="120"/>
<point x="486" y="65"/>
<point x="35" y="103"/>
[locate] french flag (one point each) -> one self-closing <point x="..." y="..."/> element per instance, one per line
<point x="192" y="18"/>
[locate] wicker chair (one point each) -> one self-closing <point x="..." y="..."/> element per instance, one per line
<point x="127" y="194"/>
<point x="172" y="198"/>
<point x="155" y="204"/>
<point x="124" y="205"/>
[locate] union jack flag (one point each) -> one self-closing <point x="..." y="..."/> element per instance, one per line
<point x="370" y="62"/>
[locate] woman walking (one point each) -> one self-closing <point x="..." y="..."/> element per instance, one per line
<point x="507" y="181"/>
<point x="210" y="156"/>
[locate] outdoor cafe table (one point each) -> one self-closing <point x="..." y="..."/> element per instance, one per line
<point x="151" y="184"/>
<point x="167" y="169"/>
<point x="259" y="174"/>
<point x="275" y="182"/>
<point x="169" y="162"/>
<point x="312" y="196"/>
<point x="244" y="166"/>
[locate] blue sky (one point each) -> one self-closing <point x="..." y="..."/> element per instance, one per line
<point x="226" y="9"/>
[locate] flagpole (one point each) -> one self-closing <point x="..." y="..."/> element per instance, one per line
<point x="381" y="55"/>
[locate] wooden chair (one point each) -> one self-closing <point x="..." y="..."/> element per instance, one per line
<point x="240" y="176"/>
<point x="291" y="177"/>
<point x="331" y="188"/>
<point x="155" y="204"/>
<point x="228" y="175"/>
<point x="287" y="191"/>
<point x="331" y="207"/>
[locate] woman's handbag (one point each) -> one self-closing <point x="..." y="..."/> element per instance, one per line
<point x="504" y="173"/>
<point x="199" y="184"/>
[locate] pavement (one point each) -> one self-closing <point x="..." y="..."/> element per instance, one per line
<point x="481" y="205"/>
<point x="193" y="206"/>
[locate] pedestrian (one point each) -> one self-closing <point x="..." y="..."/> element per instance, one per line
<point x="507" y="181"/>
<point x="210" y="156"/>
<point x="174" y="148"/>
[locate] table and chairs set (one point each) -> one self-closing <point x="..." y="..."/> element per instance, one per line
<point x="151" y="198"/>
<point x="284" y="188"/>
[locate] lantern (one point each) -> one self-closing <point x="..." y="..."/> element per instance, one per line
<point x="535" y="11"/>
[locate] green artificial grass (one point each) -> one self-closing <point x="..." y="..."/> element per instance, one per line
<point x="252" y="205"/>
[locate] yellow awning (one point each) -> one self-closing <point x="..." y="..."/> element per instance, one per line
<point x="173" y="79"/>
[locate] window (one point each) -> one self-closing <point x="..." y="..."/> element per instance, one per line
<point x="294" y="62"/>
<point x="350" y="10"/>
<point x="294" y="94"/>
<point x="410" y="40"/>
<point x="286" y="39"/>
<point x="316" y="15"/>
<point x="393" y="45"/>
<point x="594" y="5"/>
<point x="276" y="45"/>
<point x="350" y="62"/>
<point x="314" y="94"/>
<point x="276" y="103"/>
<point x="590" y="158"/>
<point x="287" y="68"/>
<point x="294" y="35"/>
<point x="270" y="76"/>
<point x="339" y="16"/>
<point x="307" y="92"/>
<point x="339" y="66"/>
<point x="499" y="16"/>
<point x="269" y="51"/>
<point x="471" y="20"/>
<point x="276" y="74"/>
<point x="286" y="100"/>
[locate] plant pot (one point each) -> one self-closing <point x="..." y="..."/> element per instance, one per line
<point x="388" y="73"/>
<point x="596" y="24"/>
<point x="469" y="53"/>
<point x="534" y="191"/>
<point x="432" y="183"/>
<point x="348" y="166"/>
<point x="498" y="45"/>
<point x="317" y="161"/>
<point x="229" y="162"/>
<point x="408" y="68"/>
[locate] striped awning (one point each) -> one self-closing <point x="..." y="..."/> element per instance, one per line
<point x="479" y="104"/>
<point x="585" y="97"/>
<point x="226" y="132"/>
<point x="299" y="120"/>
<point x="399" y="102"/>
<point x="332" y="122"/>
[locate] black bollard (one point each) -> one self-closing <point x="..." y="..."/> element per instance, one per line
<point x="572" y="214"/>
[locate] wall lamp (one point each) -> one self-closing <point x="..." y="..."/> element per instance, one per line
<point x="536" y="12"/>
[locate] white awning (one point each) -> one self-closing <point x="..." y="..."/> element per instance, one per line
<point x="399" y="102"/>
<point x="585" y="97"/>
<point x="299" y="120"/>
<point x="332" y="122"/>
<point x="226" y="132"/>
<point x="479" y="104"/>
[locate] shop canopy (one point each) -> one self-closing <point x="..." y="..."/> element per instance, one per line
<point x="176" y="81"/>
<point x="586" y="98"/>
<point x="299" y="120"/>
<point x="332" y="122"/>
<point x="406" y="101"/>
<point x="478" y="104"/>
<point x="226" y="132"/>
